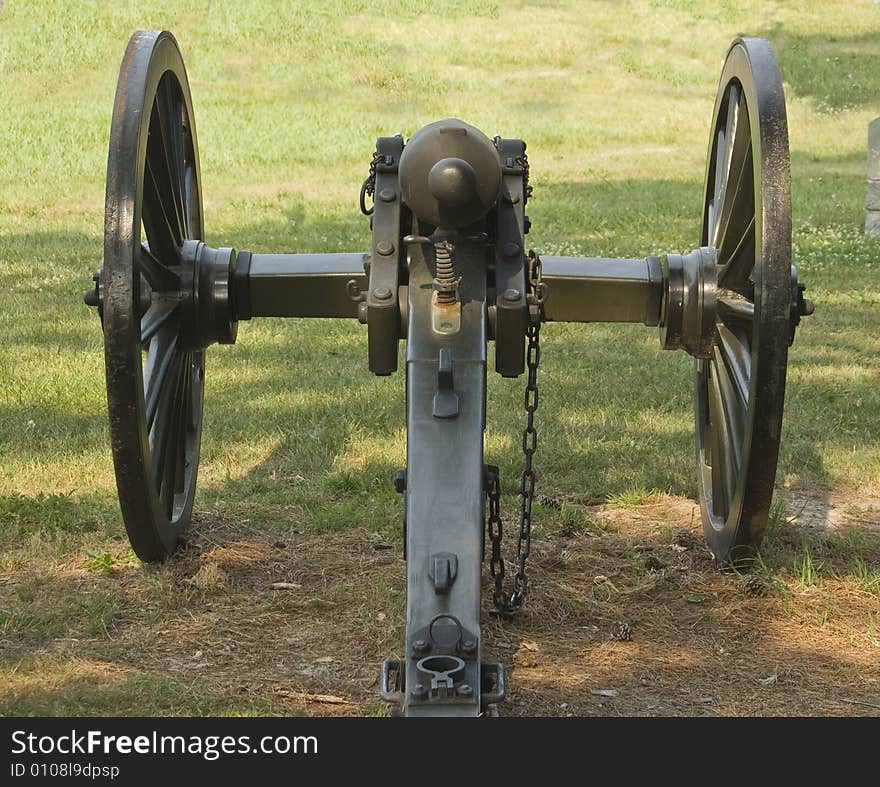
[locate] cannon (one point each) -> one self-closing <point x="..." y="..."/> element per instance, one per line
<point x="447" y="271"/>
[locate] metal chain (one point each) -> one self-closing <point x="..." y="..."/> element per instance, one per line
<point x="520" y="161"/>
<point x="369" y="186"/>
<point x="505" y="606"/>
<point x="523" y="161"/>
<point x="496" y="562"/>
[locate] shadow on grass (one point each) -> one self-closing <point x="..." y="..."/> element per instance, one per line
<point x="40" y="430"/>
<point x="24" y="515"/>
<point x="616" y="411"/>
<point x="323" y="436"/>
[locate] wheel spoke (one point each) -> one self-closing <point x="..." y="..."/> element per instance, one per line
<point x="732" y="308"/>
<point x="734" y="270"/>
<point x="737" y="209"/>
<point x="158" y="276"/>
<point x="733" y="409"/>
<point x="166" y="434"/>
<point x="722" y="156"/>
<point x="178" y="138"/>
<point x="714" y="458"/>
<point x="196" y="390"/>
<point x="735" y="206"/>
<point x="167" y="157"/>
<point x="189" y="178"/>
<point x="175" y="453"/>
<point x="157" y="315"/>
<point x="183" y="421"/>
<point x="163" y="231"/>
<point x="738" y="359"/>
<point x="723" y="469"/>
<point x="160" y="357"/>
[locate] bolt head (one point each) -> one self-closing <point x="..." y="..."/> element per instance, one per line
<point x="468" y="646"/>
<point x="418" y="691"/>
<point x="385" y="247"/>
<point x="387" y="195"/>
<point x="421" y="645"/>
<point x="511" y="295"/>
<point x="464" y="690"/>
<point x="382" y="293"/>
<point x="511" y="249"/>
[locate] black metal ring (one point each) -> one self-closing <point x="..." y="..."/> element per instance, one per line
<point x="457" y="625"/>
<point x="363" y="199"/>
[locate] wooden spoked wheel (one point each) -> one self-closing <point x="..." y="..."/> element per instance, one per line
<point x="740" y="389"/>
<point x="154" y="378"/>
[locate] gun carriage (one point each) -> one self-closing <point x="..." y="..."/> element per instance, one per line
<point x="447" y="271"/>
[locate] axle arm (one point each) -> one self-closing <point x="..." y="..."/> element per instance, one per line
<point x="595" y="289"/>
<point x="676" y="292"/>
<point x="299" y="285"/>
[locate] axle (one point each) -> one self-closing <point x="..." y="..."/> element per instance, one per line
<point x="675" y="292"/>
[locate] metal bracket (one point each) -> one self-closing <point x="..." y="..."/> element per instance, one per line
<point x="392" y="683"/>
<point x="382" y="305"/>
<point x="493" y="686"/>
<point x="446" y="401"/>
<point x="442" y="570"/>
<point x="510" y="308"/>
<point x="444" y="667"/>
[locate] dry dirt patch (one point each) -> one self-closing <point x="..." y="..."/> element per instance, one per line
<point x="627" y="616"/>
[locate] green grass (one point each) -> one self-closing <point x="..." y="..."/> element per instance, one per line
<point x="614" y="100"/>
<point x="45" y="687"/>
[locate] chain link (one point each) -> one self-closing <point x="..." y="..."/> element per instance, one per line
<point x="369" y="185"/>
<point x="505" y="606"/>
<point x="495" y="528"/>
<point x="523" y="161"/>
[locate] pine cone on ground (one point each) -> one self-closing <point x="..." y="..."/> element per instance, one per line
<point x="622" y="632"/>
<point x="684" y="538"/>
<point x="755" y="585"/>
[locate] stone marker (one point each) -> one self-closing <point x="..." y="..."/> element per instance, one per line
<point x="872" y="198"/>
